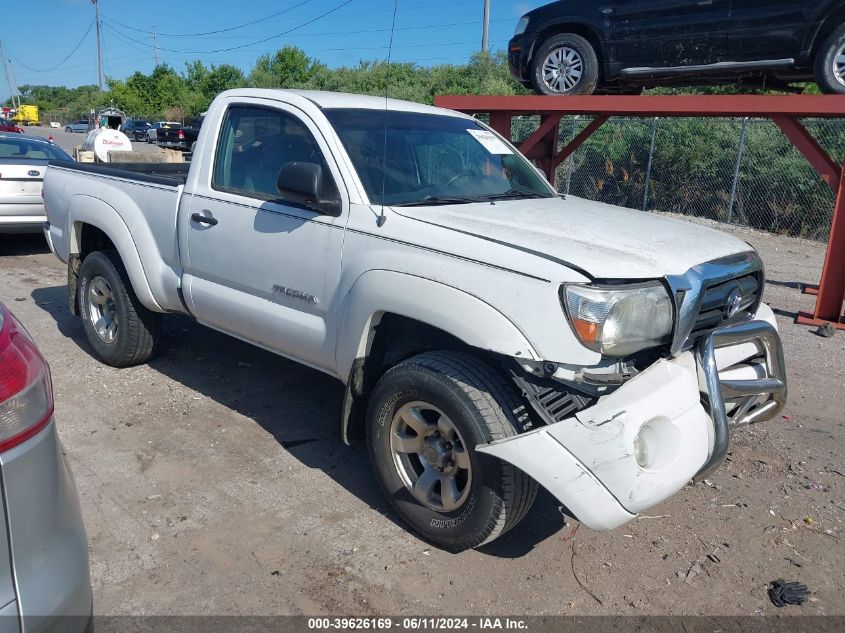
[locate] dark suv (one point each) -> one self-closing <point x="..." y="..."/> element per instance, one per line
<point x="136" y="129"/>
<point x="584" y="46"/>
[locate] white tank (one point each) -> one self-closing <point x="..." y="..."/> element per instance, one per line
<point x="101" y="141"/>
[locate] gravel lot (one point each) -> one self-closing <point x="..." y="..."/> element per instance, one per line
<point x="213" y="481"/>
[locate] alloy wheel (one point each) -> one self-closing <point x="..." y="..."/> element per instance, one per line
<point x="839" y="65"/>
<point x="430" y="456"/>
<point x="562" y="69"/>
<point x="102" y="309"/>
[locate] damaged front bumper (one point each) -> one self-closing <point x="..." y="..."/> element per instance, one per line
<point x="669" y="424"/>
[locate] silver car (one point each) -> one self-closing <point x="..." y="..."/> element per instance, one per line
<point x="45" y="584"/>
<point x="23" y="161"/>
<point x="78" y="126"/>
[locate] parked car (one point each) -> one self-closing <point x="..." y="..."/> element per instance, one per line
<point x="45" y="583"/>
<point x="577" y="47"/>
<point x="55" y="124"/>
<point x="136" y="129"/>
<point x="152" y="132"/>
<point x="178" y="136"/>
<point x="79" y="126"/>
<point x="492" y="336"/>
<point x="23" y="161"/>
<point x="10" y="126"/>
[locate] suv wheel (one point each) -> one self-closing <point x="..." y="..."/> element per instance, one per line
<point x="425" y="418"/>
<point x="565" y="64"/>
<point x="830" y="63"/>
<point x="118" y="326"/>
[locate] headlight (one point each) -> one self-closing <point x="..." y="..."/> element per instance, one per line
<point x="621" y="320"/>
<point x="521" y="26"/>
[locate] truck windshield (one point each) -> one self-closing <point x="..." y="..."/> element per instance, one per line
<point x="429" y="159"/>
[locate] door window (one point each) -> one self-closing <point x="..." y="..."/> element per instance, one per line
<point x="254" y="145"/>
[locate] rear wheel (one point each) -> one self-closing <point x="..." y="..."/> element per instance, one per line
<point x="830" y="63"/>
<point x="565" y="64"/>
<point x="424" y="420"/>
<point x="119" y="328"/>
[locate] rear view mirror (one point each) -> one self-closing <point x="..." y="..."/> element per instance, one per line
<point x="302" y="183"/>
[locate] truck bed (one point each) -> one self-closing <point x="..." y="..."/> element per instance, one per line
<point x="173" y="174"/>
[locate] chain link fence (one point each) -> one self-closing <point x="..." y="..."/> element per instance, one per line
<point x="736" y="171"/>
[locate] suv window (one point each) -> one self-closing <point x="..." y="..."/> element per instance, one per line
<point x="254" y="145"/>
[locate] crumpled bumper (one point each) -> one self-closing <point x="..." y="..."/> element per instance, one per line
<point x="649" y="438"/>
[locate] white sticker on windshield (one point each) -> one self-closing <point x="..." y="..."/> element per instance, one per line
<point x="490" y="141"/>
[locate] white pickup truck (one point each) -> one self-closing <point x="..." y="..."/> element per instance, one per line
<point x="492" y="335"/>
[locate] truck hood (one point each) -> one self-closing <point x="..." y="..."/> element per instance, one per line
<point x="602" y="240"/>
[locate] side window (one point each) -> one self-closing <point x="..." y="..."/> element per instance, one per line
<point x="254" y="145"/>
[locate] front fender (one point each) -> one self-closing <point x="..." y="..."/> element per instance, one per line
<point x="454" y="311"/>
<point x="84" y="209"/>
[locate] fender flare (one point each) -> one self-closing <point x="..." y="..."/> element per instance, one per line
<point x="84" y="209"/>
<point x="450" y="309"/>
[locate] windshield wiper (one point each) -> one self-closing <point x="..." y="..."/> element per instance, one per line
<point x="430" y="201"/>
<point x="512" y="194"/>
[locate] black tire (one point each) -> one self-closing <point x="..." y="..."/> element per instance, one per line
<point x="585" y="84"/>
<point x="136" y="328"/>
<point x="828" y="79"/>
<point x="482" y="407"/>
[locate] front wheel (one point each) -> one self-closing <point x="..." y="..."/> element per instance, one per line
<point x="565" y="64"/>
<point x="830" y="63"/>
<point x="120" y="329"/>
<point x="425" y="418"/>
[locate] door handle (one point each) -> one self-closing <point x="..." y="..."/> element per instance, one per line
<point x="204" y="219"/>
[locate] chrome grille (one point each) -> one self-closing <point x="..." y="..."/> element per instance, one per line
<point x="714" y="310"/>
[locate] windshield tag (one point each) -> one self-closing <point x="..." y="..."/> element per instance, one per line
<point x="490" y="142"/>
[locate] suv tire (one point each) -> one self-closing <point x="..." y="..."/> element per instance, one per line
<point x="565" y="64"/>
<point x="119" y="328"/>
<point x="424" y="419"/>
<point x="830" y="63"/>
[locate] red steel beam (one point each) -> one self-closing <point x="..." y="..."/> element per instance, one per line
<point x="501" y="122"/>
<point x="809" y="146"/>
<point x="575" y="143"/>
<point x="549" y="125"/>
<point x="816" y="106"/>
<point x="831" y="293"/>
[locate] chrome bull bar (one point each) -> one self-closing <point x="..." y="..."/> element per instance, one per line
<point x="774" y="384"/>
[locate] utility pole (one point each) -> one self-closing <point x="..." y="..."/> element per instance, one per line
<point x="99" y="44"/>
<point x="9" y="79"/>
<point x="486" y="26"/>
<point x="155" y="44"/>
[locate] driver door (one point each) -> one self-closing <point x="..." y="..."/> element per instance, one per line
<point x="257" y="266"/>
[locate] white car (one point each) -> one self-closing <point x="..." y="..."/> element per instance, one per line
<point x="55" y="125"/>
<point x="23" y="162"/>
<point x="491" y="335"/>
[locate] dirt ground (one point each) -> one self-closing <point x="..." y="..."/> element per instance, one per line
<point x="213" y="481"/>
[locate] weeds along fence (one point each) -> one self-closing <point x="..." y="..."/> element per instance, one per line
<point x="736" y="171"/>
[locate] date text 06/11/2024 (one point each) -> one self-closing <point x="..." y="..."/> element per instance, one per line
<point x="416" y="624"/>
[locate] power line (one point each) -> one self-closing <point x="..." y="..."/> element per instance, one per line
<point x="67" y="57"/>
<point x="226" y="30"/>
<point x="234" y="48"/>
<point x="358" y="32"/>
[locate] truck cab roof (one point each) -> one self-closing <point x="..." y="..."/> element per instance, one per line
<point x="330" y="100"/>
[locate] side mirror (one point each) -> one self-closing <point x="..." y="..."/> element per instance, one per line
<point x="302" y="183"/>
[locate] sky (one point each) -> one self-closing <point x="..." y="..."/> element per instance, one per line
<point x="59" y="46"/>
